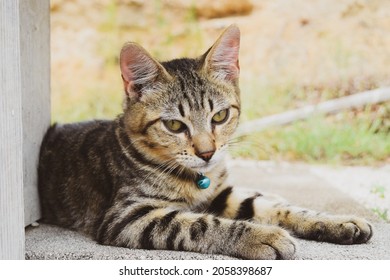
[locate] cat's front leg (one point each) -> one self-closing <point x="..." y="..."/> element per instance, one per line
<point x="151" y="226"/>
<point x="308" y="224"/>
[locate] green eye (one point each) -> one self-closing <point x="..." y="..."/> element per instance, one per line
<point x="220" y="117"/>
<point x="175" y="126"/>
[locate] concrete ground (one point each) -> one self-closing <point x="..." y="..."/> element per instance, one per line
<point x="336" y="191"/>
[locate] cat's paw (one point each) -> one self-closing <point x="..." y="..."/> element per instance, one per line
<point x="267" y="242"/>
<point x="355" y="231"/>
<point x="343" y="230"/>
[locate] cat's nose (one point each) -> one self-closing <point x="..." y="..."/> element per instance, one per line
<point x="206" y="156"/>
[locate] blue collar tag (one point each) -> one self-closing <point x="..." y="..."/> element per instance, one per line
<point x="203" y="181"/>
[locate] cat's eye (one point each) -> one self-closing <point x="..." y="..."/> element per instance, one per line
<point x="175" y="126"/>
<point x="220" y="117"/>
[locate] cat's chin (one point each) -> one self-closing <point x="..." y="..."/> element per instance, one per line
<point x="207" y="167"/>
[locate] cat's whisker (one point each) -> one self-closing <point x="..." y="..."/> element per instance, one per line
<point x="167" y="170"/>
<point x="171" y="165"/>
<point x="161" y="169"/>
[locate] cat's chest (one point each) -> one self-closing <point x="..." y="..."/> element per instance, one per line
<point x="196" y="195"/>
<point x="181" y="190"/>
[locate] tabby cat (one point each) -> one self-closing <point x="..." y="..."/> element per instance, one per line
<point x="155" y="177"/>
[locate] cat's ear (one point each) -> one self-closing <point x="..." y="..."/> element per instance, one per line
<point x="140" y="72"/>
<point x="221" y="61"/>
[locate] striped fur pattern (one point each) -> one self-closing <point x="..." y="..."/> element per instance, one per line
<point x="131" y="182"/>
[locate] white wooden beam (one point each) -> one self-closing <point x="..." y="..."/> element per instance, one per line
<point x="24" y="112"/>
<point x="11" y="163"/>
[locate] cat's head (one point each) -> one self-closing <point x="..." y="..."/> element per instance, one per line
<point x="183" y="112"/>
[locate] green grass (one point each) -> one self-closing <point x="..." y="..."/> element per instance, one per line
<point x="85" y="108"/>
<point x="343" y="140"/>
<point x="260" y="99"/>
<point x="352" y="137"/>
<point x="96" y="102"/>
<point x="381" y="213"/>
<point x="379" y="190"/>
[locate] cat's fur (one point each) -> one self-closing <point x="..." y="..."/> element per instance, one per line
<point x="131" y="182"/>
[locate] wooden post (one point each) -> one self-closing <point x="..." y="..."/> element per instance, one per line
<point x="35" y="73"/>
<point x="24" y="115"/>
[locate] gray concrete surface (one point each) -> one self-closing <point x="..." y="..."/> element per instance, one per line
<point x="297" y="183"/>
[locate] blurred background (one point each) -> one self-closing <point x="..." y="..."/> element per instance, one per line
<point x="293" y="53"/>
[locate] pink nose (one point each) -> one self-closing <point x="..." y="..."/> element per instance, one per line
<point x="206" y="156"/>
